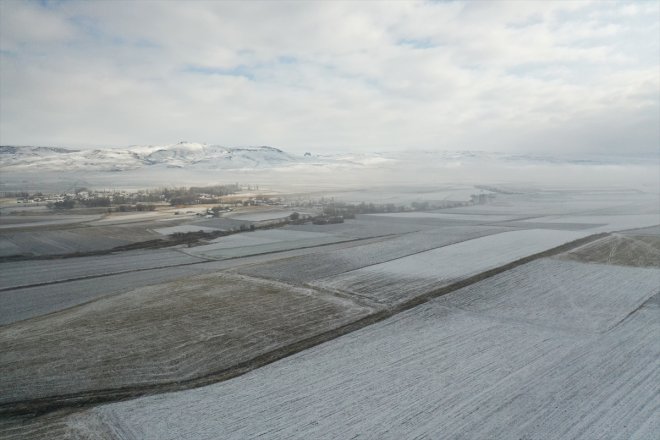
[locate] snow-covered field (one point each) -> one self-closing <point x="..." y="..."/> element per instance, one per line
<point x="62" y="241"/>
<point x="565" y="295"/>
<point x="28" y="302"/>
<point x="620" y="249"/>
<point x="324" y="263"/>
<point x="481" y="218"/>
<point x="406" y="195"/>
<point x="266" y="236"/>
<point x="371" y="226"/>
<point x="401" y="279"/>
<point x="534" y="202"/>
<point x="22" y="273"/>
<point x="563" y="347"/>
<point x="132" y="217"/>
<point x="259" y="242"/>
<point x="12" y="223"/>
<point x="162" y="333"/>
<point x="644" y="232"/>
<point x="610" y="223"/>
<point x="430" y="372"/>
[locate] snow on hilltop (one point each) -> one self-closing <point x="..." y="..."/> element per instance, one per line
<point x="179" y="155"/>
<point x="214" y="157"/>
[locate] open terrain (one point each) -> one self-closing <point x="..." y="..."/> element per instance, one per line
<point x="78" y="233"/>
<point x="33" y="272"/>
<point x="329" y="220"/>
<point x="323" y="263"/>
<point x="401" y="279"/>
<point x="436" y="370"/>
<point x="555" y="293"/>
<point x="259" y="242"/>
<point x="162" y="333"/>
<point x="21" y="303"/>
<point x="455" y="322"/>
<point x="81" y="239"/>
<point x="620" y="249"/>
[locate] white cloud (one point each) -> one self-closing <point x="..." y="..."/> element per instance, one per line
<point x="29" y="24"/>
<point x="535" y="76"/>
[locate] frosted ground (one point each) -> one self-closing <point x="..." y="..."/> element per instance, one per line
<point x="439" y="370"/>
<point x="323" y="264"/>
<point x="37" y="235"/>
<point x="555" y="293"/>
<point x="373" y="225"/>
<point x="403" y="278"/>
<point x="31" y="301"/>
<point x="526" y="344"/>
<point x="184" y="329"/>
<point x="635" y="248"/>
<point x="21" y="273"/>
<point x="258" y="242"/>
<point x="75" y="239"/>
<point x="481" y="218"/>
<point x="35" y="221"/>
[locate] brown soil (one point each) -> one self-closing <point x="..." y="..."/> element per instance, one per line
<point x="160" y="334"/>
<point x="623" y="250"/>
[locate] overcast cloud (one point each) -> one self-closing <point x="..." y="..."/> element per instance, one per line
<point x="540" y="77"/>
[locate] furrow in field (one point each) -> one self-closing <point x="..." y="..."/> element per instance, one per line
<point x="398" y="280"/>
<point x="35" y="272"/>
<point x="428" y="372"/>
<point x="159" y="334"/>
<point x="324" y="264"/>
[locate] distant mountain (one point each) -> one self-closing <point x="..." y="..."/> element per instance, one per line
<point x="179" y="155"/>
<point x="214" y="157"/>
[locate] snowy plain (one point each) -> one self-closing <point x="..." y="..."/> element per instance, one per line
<point x="565" y="295"/>
<point x="45" y="241"/>
<point x="25" y="273"/>
<point x="325" y="263"/>
<point x="162" y="333"/>
<point x="397" y="280"/>
<point x="551" y="349"/>
<point x="609" y="222"/>
<point x="430" y="372"/>
<point x="30" y="302"/>
<point x="259" y="242"/>
<point x="481" y="218"/>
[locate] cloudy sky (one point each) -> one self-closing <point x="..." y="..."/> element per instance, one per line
<point x="541" y="77"/>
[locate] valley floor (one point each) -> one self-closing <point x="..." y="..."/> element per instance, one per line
<point x="532" y="317"/>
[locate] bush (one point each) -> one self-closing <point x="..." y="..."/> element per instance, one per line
<point x="64" y="204"/>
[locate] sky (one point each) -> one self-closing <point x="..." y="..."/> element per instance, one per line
<point x="538" y="77"/>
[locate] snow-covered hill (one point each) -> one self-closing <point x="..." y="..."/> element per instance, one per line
<point x="179" y="155"/>
<point x="196" y="156"/>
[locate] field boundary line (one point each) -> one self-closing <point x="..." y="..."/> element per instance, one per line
<point x="108" y="274"/>
<point x="204" y="259"/>
<point x="410" y="255"/>
<point x="350" y="240"/>
<point x="87" y="399"/>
